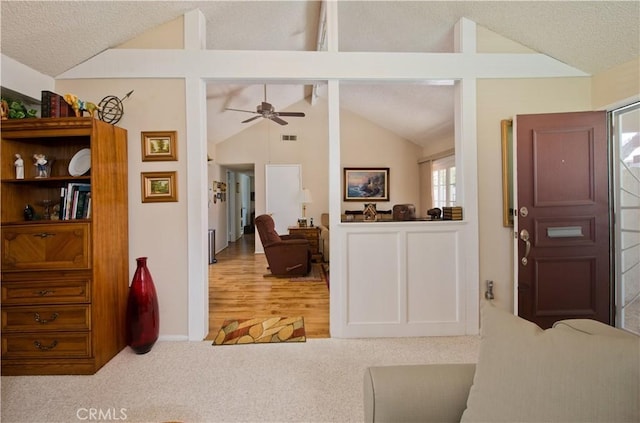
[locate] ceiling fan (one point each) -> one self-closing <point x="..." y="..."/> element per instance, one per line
<point x="267" y="111"/>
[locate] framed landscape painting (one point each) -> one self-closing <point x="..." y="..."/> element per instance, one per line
<point x="366" y="183"/>
<point x="159" y="146"/>
<point x="159" y="187"/>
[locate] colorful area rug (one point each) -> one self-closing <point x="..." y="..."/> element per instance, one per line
<point x="261" y="331"/>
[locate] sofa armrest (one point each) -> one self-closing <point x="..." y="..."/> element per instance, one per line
<point x="417" y="393"/>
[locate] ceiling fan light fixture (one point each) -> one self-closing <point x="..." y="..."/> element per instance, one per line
<point x="267" y="111"/>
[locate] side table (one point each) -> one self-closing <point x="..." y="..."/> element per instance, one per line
<point x="312" y="234"/>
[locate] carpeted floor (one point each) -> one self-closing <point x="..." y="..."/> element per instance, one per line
<point x="261" y="331"/>
<point x="315" y="381"/>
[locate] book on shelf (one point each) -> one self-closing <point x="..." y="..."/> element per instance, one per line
<point x="53" y="105"/>
<point x="452" y="213"/>
<point x="75" y="201"/>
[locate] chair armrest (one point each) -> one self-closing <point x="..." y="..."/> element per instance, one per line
<point x="418" y="393"/>
<point x="291" y="237"/>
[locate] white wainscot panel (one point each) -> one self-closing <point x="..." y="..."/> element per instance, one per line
<point x="404" y="279"/>
<point x="372" y="272"/>
<point x="433" y="281"/>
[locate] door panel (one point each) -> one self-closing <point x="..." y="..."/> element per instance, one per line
<point x="562" y="183"/>
<point x="283" y="187"/>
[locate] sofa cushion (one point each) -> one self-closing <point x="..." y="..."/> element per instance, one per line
<point x="578" y="371"/>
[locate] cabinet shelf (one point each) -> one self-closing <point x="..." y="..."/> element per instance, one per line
<point x="45" y="222"/>
<point x="53" y="180"/>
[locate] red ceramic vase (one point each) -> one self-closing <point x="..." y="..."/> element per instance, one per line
<point x="143" y="320"/>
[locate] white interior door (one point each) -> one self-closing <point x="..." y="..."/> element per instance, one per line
<point x="283" y="187"/>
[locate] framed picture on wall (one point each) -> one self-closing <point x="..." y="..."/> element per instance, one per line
<point x="159" y="146"/>
<point x="366" y="183"/>
<point x="159" y="187"/>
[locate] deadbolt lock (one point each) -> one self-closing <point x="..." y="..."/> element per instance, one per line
<point x="524" y="212"/>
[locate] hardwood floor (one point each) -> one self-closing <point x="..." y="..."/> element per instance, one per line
<point x="238" y="290"/>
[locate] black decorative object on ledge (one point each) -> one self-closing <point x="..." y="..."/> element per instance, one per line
<point x="111" y="109"/>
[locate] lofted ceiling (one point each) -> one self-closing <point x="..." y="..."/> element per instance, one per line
<point x="52" y="37"/>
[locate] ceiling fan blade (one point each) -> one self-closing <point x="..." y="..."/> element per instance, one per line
<point x="250" y="119"/>
<point x="278" y="120"/>
<point x="292" y="114"/>
<point x="240" y="110"/>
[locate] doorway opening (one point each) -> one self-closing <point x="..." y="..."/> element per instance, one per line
<point x="625" y="170"/>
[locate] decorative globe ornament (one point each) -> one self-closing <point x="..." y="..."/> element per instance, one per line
<point x="111" y="108"/>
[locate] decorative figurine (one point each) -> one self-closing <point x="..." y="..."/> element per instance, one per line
<point x="4" y="109"/>
<point x="370" y="212"/>
<point x="29" y="213"/>
<point x="80" y="106"/>
<point x="41" y="164"/>
<point x="19" y="164"/>
<point x="434" y="213"/>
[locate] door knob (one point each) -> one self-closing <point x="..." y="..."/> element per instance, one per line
<point x="524" y="235"/>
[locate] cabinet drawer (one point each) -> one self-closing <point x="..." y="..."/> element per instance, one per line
<point x="46" y="345"/>
<point x="43" y="247"/>
<point x="43" y="318"/>
<point x="72" y="290"/>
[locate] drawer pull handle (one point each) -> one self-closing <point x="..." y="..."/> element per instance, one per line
<point x="44" y="235"/>
<point x="45" y="292"/>
<point x="45" y="347"/>
<point x="36" y="317"/>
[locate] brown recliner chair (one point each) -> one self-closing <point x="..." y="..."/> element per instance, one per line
<point x="287" y="255"/>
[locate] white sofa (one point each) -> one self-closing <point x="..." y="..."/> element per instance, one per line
<point x="577" y="371"/>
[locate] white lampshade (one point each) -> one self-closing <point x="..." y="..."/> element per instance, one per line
<point x="305" y="196"/>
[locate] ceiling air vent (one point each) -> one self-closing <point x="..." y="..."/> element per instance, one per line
<point x="289" y="137"/>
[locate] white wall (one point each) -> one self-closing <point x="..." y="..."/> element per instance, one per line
<point x="156" y="230"/>
<point x="504" y="99"/>
<point x="616" y="86"/>
<point x="159" y="231"/>
<point x="260" y="144"/>
<point x="364" y="144"/>
<point x="217" y="209"/>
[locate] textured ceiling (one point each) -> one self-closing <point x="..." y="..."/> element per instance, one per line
<point x="52" y="37"/>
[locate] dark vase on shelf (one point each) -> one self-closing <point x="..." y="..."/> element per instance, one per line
<point x="143" y="320"/>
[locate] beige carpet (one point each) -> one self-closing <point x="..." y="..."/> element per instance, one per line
<point x="191" y="382"/>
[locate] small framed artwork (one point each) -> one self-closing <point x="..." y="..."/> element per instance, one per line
<point x="366" y="184"/>
<point x="159" y="146"/>
<point x="159" y="187"/>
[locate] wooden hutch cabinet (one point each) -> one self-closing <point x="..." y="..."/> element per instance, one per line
<point x="64" y="281"/>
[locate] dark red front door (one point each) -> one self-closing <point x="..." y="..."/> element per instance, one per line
<point x="563" y="217"/>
